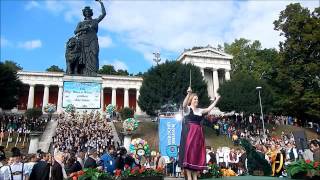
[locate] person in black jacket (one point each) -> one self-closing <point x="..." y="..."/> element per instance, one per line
<point x="41" y="170"/>
<point x="57" y="171"/>
<point x="91" y="160"/>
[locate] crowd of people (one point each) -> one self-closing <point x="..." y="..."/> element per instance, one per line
<point x="19" y="122"/>
<point x="86" y="141"/>
<point x="78" y="136"/>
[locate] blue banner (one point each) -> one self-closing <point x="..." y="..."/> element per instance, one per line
<point x="169" y="135"/>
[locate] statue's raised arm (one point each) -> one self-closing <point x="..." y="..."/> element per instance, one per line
<point x="103" y="10"/>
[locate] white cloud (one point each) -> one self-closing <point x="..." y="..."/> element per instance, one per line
<point x="29" y="45"/>
<point x="172" y="26"/>
<point x="117" y="64"/>
<point x="104" y="41"/>
<point x="4" y="42"/>
<point x="32" y="4"/>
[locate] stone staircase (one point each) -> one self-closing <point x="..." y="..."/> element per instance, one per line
<point x="114" y="133"/>
<point x="46" y="138"/>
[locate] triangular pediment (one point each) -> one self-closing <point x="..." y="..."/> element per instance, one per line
<point x="206" y="52"/>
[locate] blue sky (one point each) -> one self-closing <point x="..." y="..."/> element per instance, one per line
<point x="34" y="33"/>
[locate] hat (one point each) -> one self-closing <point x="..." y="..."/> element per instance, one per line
<point x="15" y="152"/>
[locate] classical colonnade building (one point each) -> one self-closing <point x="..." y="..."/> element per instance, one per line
<point x="41" y="88"/>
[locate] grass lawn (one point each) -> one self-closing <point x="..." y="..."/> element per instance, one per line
<point x="149" y="132"/>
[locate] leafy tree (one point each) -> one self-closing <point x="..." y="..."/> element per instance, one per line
<point x="54" y="68"/>
<point x="126" y="113"/>
<point x="140" y="74"/>
<point x="244" y="54"/>
<point x="13" y="65"/>
<point x="240" y="95"/>
<point x="10" y="85"/>
<point x="298" y="77"/>
<point x="122" y="72"/>
<point x="167" y="83"/>
<point x="250" y="58"/>
<point x="108" y="70"/>
<point x="33" y="113"/>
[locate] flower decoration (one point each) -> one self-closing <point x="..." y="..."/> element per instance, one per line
<point x="139" y="145"/>
<point x="110" y="109"/>
<point x="138" y="172"/>
<point x="130" y="125"/>
<point x="49" y="108"/>
<point x="70" y="108"/>
<point x="304" y="168"/>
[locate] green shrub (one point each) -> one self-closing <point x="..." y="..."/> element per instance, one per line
<point x="33" y="113"/>
<point x="126" y="113"/>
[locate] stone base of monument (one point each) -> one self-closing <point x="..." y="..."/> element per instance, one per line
<point x="127" y="137"/>
<point x="84" y="92"/>
<point x="34" y="142"/>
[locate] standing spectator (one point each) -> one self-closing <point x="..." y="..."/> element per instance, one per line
<point x="91" y="161"/>
<point x="41" y="170"/>
<point x="314" y="146"/>
<point x="58" y="172"/>
<point x="16" y="170"/>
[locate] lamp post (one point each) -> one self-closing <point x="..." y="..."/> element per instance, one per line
<point x="259" y="89"/>
<point x="157" y="58"/>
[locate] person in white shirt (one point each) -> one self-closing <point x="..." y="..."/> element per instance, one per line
<point x="17" y="170"/>
<point x="220" y="156"/>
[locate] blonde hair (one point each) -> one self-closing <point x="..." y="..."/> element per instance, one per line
<point x="191" y="97"/>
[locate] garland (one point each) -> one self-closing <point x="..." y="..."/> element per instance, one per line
<point x="49" y="108"/>
<point x="110" y="109"/>
<point x="139" y="144"/>
<point x="70" y="108"/>
<point x="130" y="125"/>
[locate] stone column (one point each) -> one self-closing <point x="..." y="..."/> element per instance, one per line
<point x="126" y="97"/>
<point x="34" y="142"/>
<point x="138" y="110"/>
<point x="114" y="97"/>
<point x="215" y="82"/>
<point x="59" y="104"/>
<point x="45" y="99"/>
<point x="31" y="96"/>
<point x="227" y="74"/>
<point x="202" y="72"/>
<point x="102" y="99"/>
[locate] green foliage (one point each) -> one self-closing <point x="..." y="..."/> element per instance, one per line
<point x="94" y="174"/>
<point x="213" y="171"/>
<point x="33" y="113"/>
<point x="54" y="68"/>
<point x="109" y="70"/>
<point x="256" y="160"/>
<point x="240" y="95"/>
<point x="167" y="83"/>
<point x="10" y="85"/>
<point x="304" y="167"/>
<point x="297" y="78"/>
<point x="251" y="59"/>
<point x="126" y="113"/>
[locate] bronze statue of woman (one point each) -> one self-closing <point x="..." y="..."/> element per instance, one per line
<point x="86" y="32"/>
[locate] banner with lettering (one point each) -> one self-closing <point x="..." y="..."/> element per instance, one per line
<point x="169" y="136"/>
<point x="83" y="95"/>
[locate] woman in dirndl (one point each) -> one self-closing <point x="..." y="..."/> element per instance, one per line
<point x="192" y="146"/>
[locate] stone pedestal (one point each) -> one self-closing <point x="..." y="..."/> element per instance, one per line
<point x="34" y="142"/>
<point x="127" y="141"/>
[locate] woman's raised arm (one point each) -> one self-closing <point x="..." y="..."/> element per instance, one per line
<point x="208" y="109"/>
<point x="103" y="10"/>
